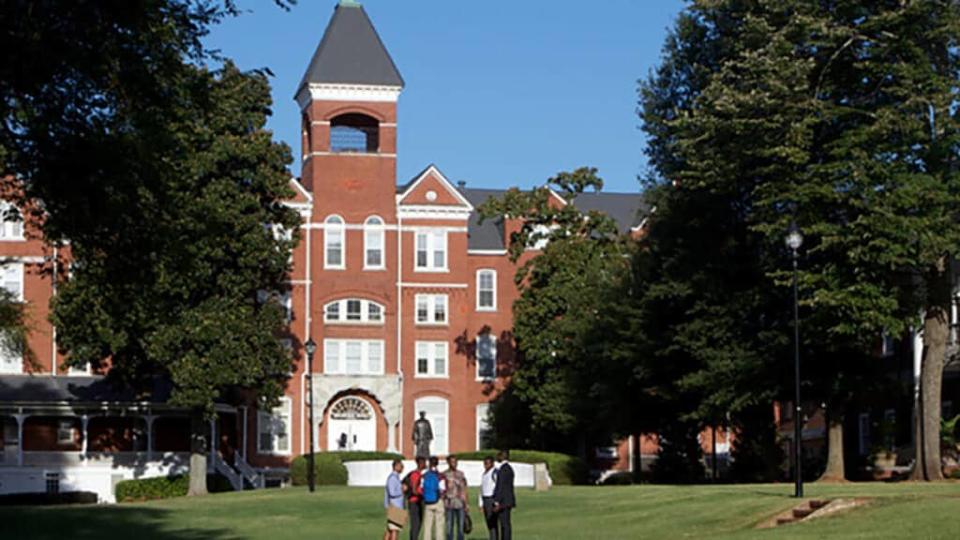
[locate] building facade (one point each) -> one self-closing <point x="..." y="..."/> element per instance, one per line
<point x="407" y="293"/>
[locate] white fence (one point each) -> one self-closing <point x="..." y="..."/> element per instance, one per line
<point x="96" y="477"/>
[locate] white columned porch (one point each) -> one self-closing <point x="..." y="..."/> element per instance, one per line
<point x="149" y="418"/>
<point x="243" y="435"/>
<point x="20" y="418"/>
<point x="213" y="439"/>
<point x="84" y="446"/>
<point x="391" y="437"/>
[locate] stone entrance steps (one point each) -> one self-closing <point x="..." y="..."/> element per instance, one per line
<point x="801" y="512"/>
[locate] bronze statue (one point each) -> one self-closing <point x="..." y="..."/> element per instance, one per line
<point x="422" y="436"/>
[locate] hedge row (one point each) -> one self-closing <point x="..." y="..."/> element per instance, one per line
<point x="165" y="487"/>
<point x="328" y="466"/>
<point x="564" y="469"/>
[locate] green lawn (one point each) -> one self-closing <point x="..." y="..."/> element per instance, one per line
<point x="903" y="510"/>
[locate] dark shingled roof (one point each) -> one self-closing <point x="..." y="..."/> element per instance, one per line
<point x="627" y="209"/>
<point x="351" y="52"/>
<point x="47" y="389"/>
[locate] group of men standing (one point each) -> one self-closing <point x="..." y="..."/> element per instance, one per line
<point x="438" y="503"/>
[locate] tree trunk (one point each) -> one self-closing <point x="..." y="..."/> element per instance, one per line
<point x="834" y="471"/>
<point x="198" y="455"/>
<point x="936" y="329"/>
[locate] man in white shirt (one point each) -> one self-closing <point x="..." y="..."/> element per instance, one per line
<point x="488" y="481"/>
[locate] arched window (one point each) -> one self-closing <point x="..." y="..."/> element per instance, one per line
<point x="11" y="222"/>
<point x="353" y="311"/>
<point x="437" y="410"/>
<point x="354" y="132"/>
<point x="351" y="408"/>
<point x="333" y="243"/>
<point x="373" y="243"/>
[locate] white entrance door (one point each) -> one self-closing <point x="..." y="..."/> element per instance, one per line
<point x="352" y="426"/>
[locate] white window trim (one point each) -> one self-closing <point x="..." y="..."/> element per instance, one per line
<point x="431" y="249"/>
<point x="495" y="344"/>
<point x="417" y="405"/>
<point x="287" y="403"/>
<point x="431" y="310"/>
<point x="431" y="360"/>
<point x="364" y="356"/>
<point x="341" y="227"/>
<point x="74" y="372"/>
<point x="367" y="229"/>
<point x="4" y="207"/>
<point x="72" y="439"/>
<point x="485" y="407"/>
<point x="480" y="272"/>
<point x="20" y="270"/>
<point x="364" y="313"/>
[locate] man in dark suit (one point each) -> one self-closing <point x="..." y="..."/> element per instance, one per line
<point x="504" y="499"/>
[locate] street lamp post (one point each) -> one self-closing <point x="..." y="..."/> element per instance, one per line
<point x="311" y="347"/>
<point x="794" y="240"/>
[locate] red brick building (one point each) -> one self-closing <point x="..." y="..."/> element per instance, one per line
<point x="406" y="293"/>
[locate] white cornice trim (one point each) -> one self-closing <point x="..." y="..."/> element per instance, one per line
<point x="302" y="189"/>
<point x="433" y="212"/>
<point x="432" y="169"/>
<point x="347" y="92"/>
<point x="409" y="285"/>
<point x="351" y="154"/>
<point x="486" y="252"/>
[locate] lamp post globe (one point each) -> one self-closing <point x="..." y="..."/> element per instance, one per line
<point x="310" y="347"/>
<point x="793" y="240"/>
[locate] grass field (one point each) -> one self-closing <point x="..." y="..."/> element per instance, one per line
<point x="903" y="510"/>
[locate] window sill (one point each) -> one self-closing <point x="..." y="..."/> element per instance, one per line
<point x="273" y="453"/>
<point x="432" y="324"/>
<point x="422" y="376"/>
<point x="325" y="267"/>
<point x="486" y="309"/>
<point x="353" y="323"/>
<point x="432" y="270"/>
<point x="374" y="268"/>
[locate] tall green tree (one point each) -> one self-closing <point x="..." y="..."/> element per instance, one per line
<point x="841" y="116"/>
<point x="160" y="173"/>
<point x="578" y="256"/>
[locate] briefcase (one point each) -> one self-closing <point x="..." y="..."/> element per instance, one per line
<point x="397" y="516"/>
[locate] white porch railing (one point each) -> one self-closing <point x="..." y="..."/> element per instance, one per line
<point x="248" y="472"/>
<point x="226" y="470"/>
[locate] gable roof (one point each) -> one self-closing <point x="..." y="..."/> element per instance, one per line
<point x="351" y="52"/>
<point x="432" y="170"/>
<point x="627" y="209"/>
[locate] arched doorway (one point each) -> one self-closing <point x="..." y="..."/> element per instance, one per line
<point x="352" y="426"/>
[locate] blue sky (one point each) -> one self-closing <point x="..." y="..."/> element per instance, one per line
<point x="497" y="93"/>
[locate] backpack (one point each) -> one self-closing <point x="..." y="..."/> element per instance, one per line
<point x="408" y="484"/>
<point x="431" y="487"/>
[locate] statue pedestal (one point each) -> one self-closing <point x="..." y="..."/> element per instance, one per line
<point x="541" y="477"/>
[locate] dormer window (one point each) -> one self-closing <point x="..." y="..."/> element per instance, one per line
<point x="353" y="311"/>
<point x="354" y="133"/>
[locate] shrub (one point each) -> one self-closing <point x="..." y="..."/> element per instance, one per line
<point x="328" y="466"/>
<point x="161" y="487"/>
<point x="564" y="469"/>
<point x="32" y="499"/>
<point x="165" y="487"/>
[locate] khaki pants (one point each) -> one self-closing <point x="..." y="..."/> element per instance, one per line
<point x="434" y="524"/>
